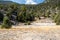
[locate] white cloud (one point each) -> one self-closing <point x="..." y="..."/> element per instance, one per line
<point x="30" y="2"/>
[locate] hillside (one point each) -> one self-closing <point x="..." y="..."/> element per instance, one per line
<point x="6" y="2"/>
<point x="12" y="13"/>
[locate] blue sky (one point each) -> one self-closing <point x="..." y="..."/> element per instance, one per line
<point x="28" y="1"/>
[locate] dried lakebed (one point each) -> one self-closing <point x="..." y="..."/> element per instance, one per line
<point x="41" y="33"/>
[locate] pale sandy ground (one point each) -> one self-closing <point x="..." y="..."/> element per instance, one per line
<point x="23" y="33"/>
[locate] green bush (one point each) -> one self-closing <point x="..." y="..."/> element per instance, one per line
<point x="57" y="19"/>
<point x="28" y="23"/>
<point x="6" y="23"/>
<point x="25" y="16"/>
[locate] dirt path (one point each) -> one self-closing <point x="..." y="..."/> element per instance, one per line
<point x="44" y="22"/>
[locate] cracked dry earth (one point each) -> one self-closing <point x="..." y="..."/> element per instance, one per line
<point x="30" y="34"/>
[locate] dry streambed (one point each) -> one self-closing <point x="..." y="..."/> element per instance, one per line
<point x="39" y="33"/>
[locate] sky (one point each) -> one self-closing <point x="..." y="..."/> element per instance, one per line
<point x="28" y="1"/>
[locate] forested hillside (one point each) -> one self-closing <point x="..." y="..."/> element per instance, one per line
<point x="12" y="13"/>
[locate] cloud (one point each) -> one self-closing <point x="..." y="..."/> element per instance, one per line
<point x="30" y="2"/>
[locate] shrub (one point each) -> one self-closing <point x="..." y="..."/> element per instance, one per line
<point x="57" y="19"/>
<point x="6" y="23"/>
<point x="28" y="23"/>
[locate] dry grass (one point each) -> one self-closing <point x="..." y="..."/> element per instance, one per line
<point x="38" y="29"/>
